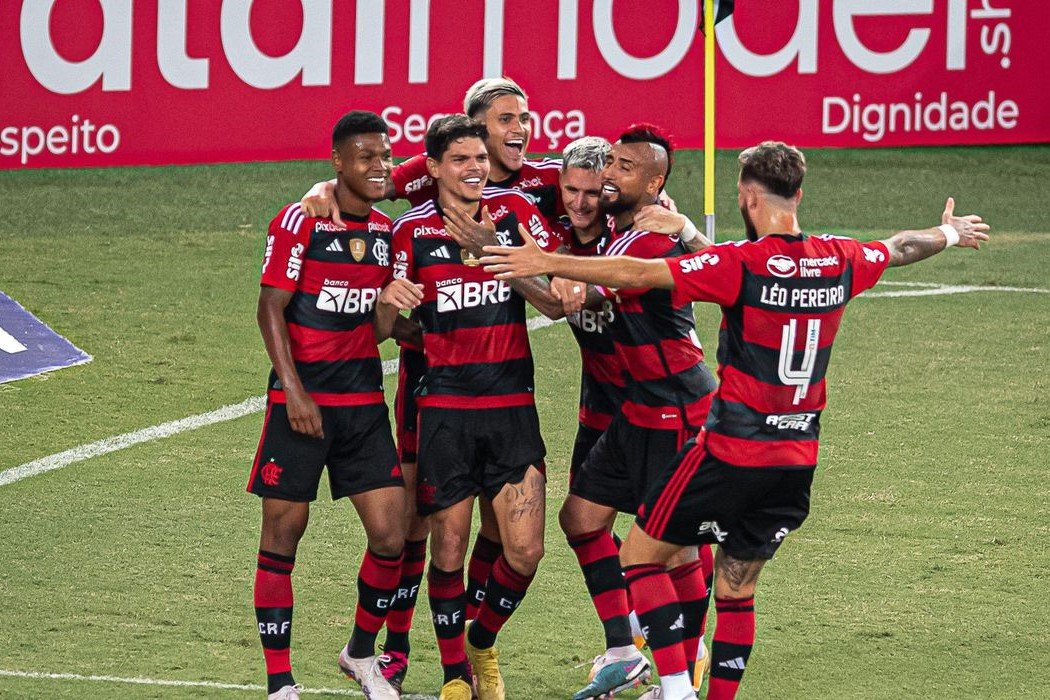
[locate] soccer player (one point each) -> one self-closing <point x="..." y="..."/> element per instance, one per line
<point x="326" y="299"/>
<point x="667" y="390"/>
<point x="478" y="427"/>
<point x="744" y="482"/>
<point x="503" y="106"/>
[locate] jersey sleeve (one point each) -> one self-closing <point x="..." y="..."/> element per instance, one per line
<point x="286" y="244"/>
<point x="536" y="224"/>
<point x="413" y="182"/>
<point x="638" y="244"/>
<point x="870" y="261"/>
<point x="403" y="264"/>
<point x="712" y="274"/>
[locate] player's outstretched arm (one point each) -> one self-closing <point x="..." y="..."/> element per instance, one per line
<point x="620" y="272"/>
<point x="303" y="414"/>
<point x="399" y="294"/>
<point x="474" y="235"/>
<point x="909" y="247"/>
<point x="659" y="219"/>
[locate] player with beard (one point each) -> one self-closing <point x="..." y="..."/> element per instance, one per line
<point x="321" y="313"/>
<point x="667" y="391"/>
<point x="478" y="427"/>
<point x="745" y="480"/>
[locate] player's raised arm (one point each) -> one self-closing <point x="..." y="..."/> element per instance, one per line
<point x="528" y="260"/>
<point x="967" y="231"/>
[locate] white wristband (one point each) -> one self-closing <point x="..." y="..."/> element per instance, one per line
<point x="688" y="232"/>
<point x="951" y="236"/>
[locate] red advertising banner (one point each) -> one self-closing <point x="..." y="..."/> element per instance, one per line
<point x="126" y="82"/>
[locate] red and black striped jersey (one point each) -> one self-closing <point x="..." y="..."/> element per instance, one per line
<point x="602" y="380"/>
<point x="538" y="179"/>
<point x="782" y="299"/>
<point x="474" y="336"/>
<point x="656" y="341"/>
<point x="335" y="276"/>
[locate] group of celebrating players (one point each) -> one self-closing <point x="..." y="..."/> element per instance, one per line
<point x="592" y="237"/>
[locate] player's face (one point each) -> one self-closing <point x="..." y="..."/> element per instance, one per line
<point x="510" y="126"/>
<point x="744" y="197"/>
<point x="625" y="179"/>
<point x="580" y="190"/>
<point x="364" y="163"/>
<point x="463" y="170"/>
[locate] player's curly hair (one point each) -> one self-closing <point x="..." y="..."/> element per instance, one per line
<point x="644" y="132"/>
<point x="444" y="131"/>
<point x="358" y="122"/>
<point x="775" y="165"/>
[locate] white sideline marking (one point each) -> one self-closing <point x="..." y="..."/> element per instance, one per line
<point x="256" y="404"/>
<point x="926" y="289"/>
<point x="156" y="432"/>
<point x="185" y="684"/>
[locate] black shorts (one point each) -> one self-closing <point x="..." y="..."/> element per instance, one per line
<point x="411" y="368"/>
<point x="586" y="439"/>
<point x="622" y="464"/>
<point x="746" y="511"/>
<point x="464" y="452"/>
<point x="357" y="448"/>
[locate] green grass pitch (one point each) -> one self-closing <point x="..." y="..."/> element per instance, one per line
<point x="922" y="571"/>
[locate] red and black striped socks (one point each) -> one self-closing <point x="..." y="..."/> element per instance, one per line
<point x="448" y="612"/>
<point x="273" y="612"/>
<point x="599" y="559"/>
<point x="376" y="586"/>
<point x="399" y="619"/>
<point x="734" y="637"/>
<point x="482" y="557"/>
<point x="503" y="594"/>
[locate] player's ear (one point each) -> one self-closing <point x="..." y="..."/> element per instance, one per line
<point x="432" y="167"/>
<point x="798" y="197"/>
<point x="337" y="162"/>
<point x="656" y="183"/>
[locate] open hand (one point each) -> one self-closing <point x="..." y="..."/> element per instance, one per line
<point x="971" y="227"/>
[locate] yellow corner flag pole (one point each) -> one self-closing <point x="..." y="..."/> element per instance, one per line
<point x="709" y="119"/>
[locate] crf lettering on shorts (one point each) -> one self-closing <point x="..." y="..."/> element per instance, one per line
<point x="456" y="297"/>
<point x="712" y="527"/>
<point x="791" y="421"/>
<point x="336" y="297"/>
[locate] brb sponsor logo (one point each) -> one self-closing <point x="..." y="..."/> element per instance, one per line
<point x="594" y="321"/>
<point x="339" y="297"/>
<point x="456" y="295"/>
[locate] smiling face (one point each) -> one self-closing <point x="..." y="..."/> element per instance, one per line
<point x="580" y="190"/>
<point x="363" y="163"/>
<point x="462" y="172"/>
<point x="630" y="178"/>
<point x="510" y="127"/>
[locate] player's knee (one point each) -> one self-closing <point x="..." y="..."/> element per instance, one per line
<point x="567" y="519"/>
<point x="282" y="532"/>
<point x="388" y="543"/>
<point x="523" y="557"/>
<point x="448" y="548"/>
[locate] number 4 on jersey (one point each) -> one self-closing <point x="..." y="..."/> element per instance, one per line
<point x="798" y="378"/>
